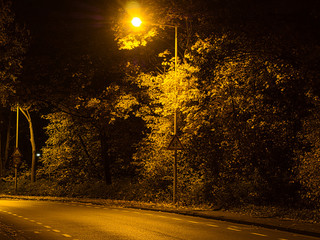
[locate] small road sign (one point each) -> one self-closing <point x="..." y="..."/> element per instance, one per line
<point x="16" y="157"/>
<point x="175" y="144"/>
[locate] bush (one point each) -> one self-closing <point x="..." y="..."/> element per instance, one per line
<point x="121" y="190"/>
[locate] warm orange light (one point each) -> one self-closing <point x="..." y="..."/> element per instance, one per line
<point x="136" y="22"/>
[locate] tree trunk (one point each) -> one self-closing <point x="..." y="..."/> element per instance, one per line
<point x="1" y="160"/>
<point x="33" y="145"/>
<point x="105" y="157"/>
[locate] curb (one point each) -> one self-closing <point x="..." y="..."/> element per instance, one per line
<point x="239" y="221"/>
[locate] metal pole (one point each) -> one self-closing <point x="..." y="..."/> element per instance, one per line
<point x="175" y="123"/>
<point x="175" y="76"/>
<point x="175" y="182"/>
<point x="17" y="127"/>
<point x="17" y="143"/>
<point x="15" y="179"/>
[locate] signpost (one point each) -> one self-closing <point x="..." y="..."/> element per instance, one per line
<point x="16" y="156"/>
<point x="175" y="145"/>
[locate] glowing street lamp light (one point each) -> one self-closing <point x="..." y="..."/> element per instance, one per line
<point x="136" y="22"/>
<point x="175" y="143"/>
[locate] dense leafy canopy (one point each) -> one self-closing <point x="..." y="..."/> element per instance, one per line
<point x="13" y="42"/>
<point x="13" y="46"/>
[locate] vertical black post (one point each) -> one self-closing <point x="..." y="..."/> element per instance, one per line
<point x="15" y="179"/>
<point x="17" y="144"/>
<point x="175" y="180"/>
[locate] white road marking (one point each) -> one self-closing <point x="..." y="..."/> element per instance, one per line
<point x="39" y="223"/>
<point x="179" y="219"/>
<point x="67" y="235"/>
<point x="258" y="234"/>
<point x="55" y="230"/>
<point x="234" y="229"/>
<point x="212" y="225"/>
<point x="192" y="222"/>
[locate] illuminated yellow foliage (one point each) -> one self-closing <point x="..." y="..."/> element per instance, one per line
<point x="232" y="116"/>
<point x="135" y="39"/>
<point x="64" y="148"/>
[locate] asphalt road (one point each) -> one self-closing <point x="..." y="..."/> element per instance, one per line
<point x="48" y="220"/>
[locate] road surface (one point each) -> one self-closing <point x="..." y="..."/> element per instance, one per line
<point x="49" y="220"/>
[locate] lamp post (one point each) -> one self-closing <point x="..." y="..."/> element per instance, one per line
<point x="17" y="128"/>
<point x="175" y="143"/>
<point x="175" y="122"/>
<point x="16" y="156"/>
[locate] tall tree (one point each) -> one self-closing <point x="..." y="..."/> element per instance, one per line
<point x="88" y="127"/>
<point x="13" y="43"/>
<point x="243" y="91"/>
<point x="307" y="161"/>
<point x="27" y="115"/>
<point x="14" y="40"/>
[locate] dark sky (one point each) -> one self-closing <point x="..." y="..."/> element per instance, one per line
<point x="41" y="13"/>
<point x="57" y="23"/>
<point x="54" y="23"/>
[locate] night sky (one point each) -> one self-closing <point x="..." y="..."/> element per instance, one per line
<point x="57" y="25"/>
<point x="68" y="24"/>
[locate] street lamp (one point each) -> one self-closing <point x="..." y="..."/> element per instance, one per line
<point x="175" y="143"/>
<point x="136" y="22"/>
<point x="16" y="156"/>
